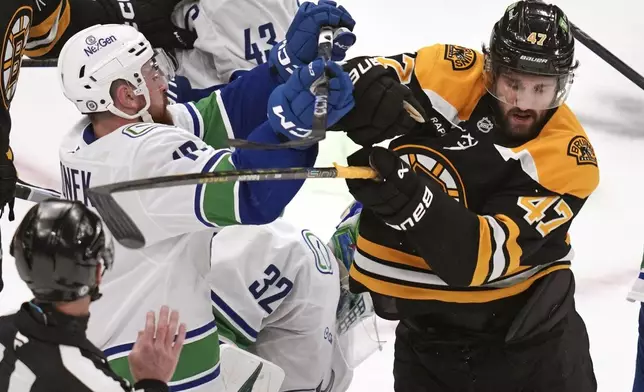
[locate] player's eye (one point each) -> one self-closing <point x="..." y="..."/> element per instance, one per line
<point x="513" y="84"/>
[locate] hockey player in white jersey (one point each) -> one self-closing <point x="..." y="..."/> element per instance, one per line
<point x="278" y="292"/>
<point x="275" y="293"/>
<point x="232" y="36"/>
<point x="112" y="74"/>
<point x="235" y="36"/>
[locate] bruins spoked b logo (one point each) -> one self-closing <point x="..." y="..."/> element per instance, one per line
<point x="426" y="161"/>
<point x="13" y="46"/>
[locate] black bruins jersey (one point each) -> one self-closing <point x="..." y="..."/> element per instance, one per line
<point x="500" y="214"/>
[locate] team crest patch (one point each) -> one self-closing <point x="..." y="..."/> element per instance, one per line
<point x="13" y="46"/>
<point x="323" y="258"/>
<point x="460" y="57"/>
<point x="580" y="148"/>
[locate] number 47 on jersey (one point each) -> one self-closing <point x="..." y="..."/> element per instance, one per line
<point x="537" y="207"/>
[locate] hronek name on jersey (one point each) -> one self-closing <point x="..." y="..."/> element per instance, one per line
<point x="94" y="45"/>
<point x="75" y="184"/>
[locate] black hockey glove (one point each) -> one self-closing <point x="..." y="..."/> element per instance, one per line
<point x="153" y="19"/>
<point x="384" y="107"/>
<point x="401" y="198"/>
<point x="8" y="178"/>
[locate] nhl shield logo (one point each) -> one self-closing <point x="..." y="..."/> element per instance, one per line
<point x="580" y="148"/>
<point x="485" y="125"/>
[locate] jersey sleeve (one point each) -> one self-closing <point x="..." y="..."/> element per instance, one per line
<point x="177" y="210"/>
<point x="181" y="209"/>
<point x="523" y="230"/>
<point x="232" y="112"/>
<point x="236" y="46"/>
<point x="444" y="78"/>
<point x="58" y="20"/>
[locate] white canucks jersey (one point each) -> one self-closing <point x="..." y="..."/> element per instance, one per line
<point x="275" y="291"/>
<point x="177" y="223"/>
<point x="233" y="35"/>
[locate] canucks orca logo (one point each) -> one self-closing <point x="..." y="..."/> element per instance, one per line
<point x="13" y="46"/>
<point x="427" y="161"/>
<point x="323" y="258"/>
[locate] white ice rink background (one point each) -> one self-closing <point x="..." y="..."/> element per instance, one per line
<point x="608" y="235"/>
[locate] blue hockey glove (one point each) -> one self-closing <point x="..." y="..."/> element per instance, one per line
<point x="290" y="106"/>
<point x="301" y="44"/>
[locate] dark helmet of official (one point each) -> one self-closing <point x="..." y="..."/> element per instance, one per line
<point x="536" y="38"/>
<point x="58" y="248"/>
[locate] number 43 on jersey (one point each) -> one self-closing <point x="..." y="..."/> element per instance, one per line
<point x="265" y="35"/>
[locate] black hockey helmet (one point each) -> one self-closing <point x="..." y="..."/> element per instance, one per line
<point x="535" y="38"/>
<point x="58" y="247"/>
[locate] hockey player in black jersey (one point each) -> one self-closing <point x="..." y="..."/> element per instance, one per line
<point x="61" y="253"/>
<point x="40" y="28"/>
<point x="465" y="239"/>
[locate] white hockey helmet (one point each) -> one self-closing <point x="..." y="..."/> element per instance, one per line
<point x="95" y="57"/>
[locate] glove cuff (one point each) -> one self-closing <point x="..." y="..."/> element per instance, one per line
<point x="410" y="217"/>
<point x="283" y="62"/>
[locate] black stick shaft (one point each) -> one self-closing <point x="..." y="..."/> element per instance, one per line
<point x="36" y="63"/>
<point x="227" y="176"/>
<point x="607" y="56"/>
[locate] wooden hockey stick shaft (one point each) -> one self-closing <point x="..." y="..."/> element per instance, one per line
<point x="128" y="234"/>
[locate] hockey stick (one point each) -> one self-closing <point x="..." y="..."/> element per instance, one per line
<point x="128" y="234"/>
<point x="34" y="193"/>
<point x="607" y="56"/>
<point x="34" y="63"/>
<point x="320" y="110"/>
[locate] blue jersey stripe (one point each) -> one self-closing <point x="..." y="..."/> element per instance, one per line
<point x="197" y="382"/>
<point x="233" y="315"/>
<point x="200" y="188"/>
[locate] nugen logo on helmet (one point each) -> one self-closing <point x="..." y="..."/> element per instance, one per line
<point x="94" y="45"/>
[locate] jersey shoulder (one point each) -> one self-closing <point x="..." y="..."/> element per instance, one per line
<point x="50" y="22"/>
<point x="452" y="77"/>
<point x="562" y="157"/>
<point x="280" y="241"/>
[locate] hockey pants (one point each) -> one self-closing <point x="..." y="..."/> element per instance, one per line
<point x="554" y="361"/>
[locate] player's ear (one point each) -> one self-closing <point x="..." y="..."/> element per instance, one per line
<point x="123" y="96"/>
